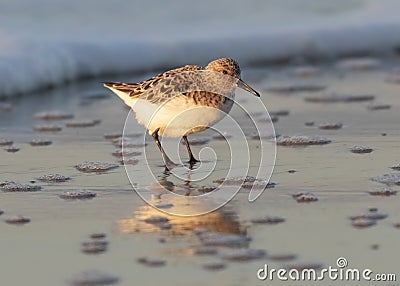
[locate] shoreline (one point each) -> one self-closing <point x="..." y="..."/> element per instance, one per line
<point x="34" y="67"/>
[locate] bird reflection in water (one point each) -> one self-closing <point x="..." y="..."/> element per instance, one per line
<point x="218" y="234"/>
<point x="153" y="219"/>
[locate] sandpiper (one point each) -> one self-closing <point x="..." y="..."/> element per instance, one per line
<point x="182" y="101"/>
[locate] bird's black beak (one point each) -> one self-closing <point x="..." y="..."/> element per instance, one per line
<point x="246" y="87"/>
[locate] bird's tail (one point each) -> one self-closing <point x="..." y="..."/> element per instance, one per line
<point x="123" y="90"/>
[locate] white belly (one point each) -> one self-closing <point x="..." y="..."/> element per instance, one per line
<point x="177" y="117"/>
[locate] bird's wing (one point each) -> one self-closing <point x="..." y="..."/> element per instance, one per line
<point x="163" y="92"/>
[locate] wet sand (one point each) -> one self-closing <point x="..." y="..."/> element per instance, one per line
<point x="47" y="250"/>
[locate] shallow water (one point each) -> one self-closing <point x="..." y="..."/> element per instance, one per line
<point x="46" y="250"/>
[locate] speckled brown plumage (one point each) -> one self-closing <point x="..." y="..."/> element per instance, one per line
<point x="187" y="81"/>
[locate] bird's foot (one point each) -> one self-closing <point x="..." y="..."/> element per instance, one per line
<point x="193" y="161"/>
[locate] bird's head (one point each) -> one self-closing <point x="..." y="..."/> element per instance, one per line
<point x="230" y="67"/>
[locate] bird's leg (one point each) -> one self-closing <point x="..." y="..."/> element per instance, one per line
<point x="192" y="159"/>
<point x="169" y="164"/>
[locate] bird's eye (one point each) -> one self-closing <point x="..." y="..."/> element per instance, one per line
<point x="224" y="72"/>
